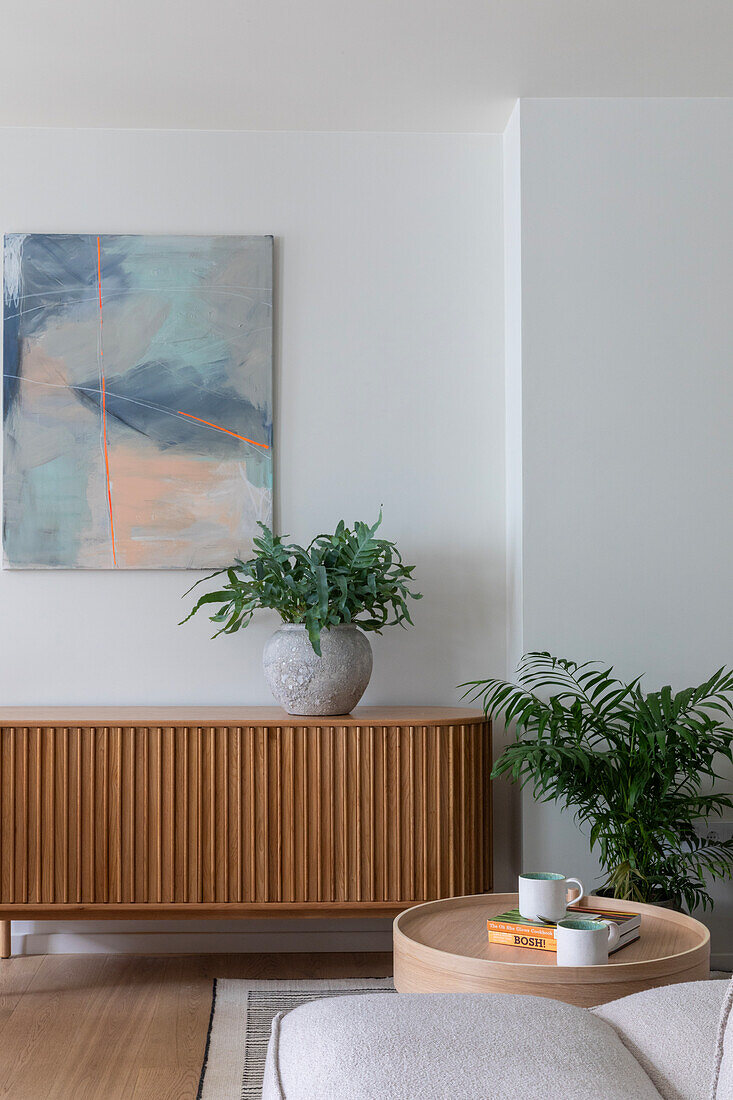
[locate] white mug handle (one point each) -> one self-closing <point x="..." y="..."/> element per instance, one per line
<point x="579" y="884"/>
<point x="613" y="934"/>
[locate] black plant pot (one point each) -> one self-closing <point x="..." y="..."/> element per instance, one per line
<point x="663" y="903"/>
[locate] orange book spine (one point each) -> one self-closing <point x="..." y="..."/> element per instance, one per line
<point x="519" y="939"/>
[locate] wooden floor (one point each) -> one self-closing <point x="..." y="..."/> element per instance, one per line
<point x="108" y="1027"/>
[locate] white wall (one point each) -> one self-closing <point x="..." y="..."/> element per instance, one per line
<point x="627" y="391"/>
<point x="389" y="391"/>
<point x="507" y="798"/>
<point x="432" y="65"/>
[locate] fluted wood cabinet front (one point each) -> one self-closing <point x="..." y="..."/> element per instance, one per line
<point x="240" y="811"/>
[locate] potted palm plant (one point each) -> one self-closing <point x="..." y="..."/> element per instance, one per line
<point x="327" y="594"/>
<point x="639" y="770"/>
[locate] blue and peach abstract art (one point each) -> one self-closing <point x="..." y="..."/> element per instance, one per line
<point x="137" y="400"/>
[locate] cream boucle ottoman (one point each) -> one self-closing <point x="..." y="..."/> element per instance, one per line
<point x="460" y="1046"/>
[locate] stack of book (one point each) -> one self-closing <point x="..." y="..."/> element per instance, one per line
<point x="513" y="930"/>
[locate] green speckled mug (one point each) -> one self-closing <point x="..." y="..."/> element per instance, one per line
<point x="543" y="895"/>
<point x="585" y="942"/>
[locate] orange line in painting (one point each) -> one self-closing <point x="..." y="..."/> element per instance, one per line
<point x="210" y="425"/>
<point x="104" y="406"/>
<point x="106" y="465"/>
<point x="99" y="277"/>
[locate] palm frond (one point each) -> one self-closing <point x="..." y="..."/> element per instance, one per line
<point x="630" y="765"/>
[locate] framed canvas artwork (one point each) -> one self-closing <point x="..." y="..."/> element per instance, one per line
<point x="137" y="400"/>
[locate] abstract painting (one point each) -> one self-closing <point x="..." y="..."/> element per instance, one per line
<point x="137" y="400"/>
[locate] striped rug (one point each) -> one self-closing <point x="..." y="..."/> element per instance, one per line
<point x="239" y="1028"/>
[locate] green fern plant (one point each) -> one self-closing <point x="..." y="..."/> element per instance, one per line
<point x="639" y="770"/>
<point x="347" y="577"/>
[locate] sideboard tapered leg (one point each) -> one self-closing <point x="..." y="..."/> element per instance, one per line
<point x="5" y="926"/>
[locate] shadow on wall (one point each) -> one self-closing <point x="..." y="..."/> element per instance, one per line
<point x="199" y="937"/>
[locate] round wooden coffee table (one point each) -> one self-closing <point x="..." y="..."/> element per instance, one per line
<point x="443" y="947"/>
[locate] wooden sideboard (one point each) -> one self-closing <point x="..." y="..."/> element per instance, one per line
<point x="147" y="812"/>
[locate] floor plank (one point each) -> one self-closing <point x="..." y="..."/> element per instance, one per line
<point x="15" y="977"/>
<point x="123" y="1027"/>
<point x="39" y="1040"/>
<point x="164" y="1084"/>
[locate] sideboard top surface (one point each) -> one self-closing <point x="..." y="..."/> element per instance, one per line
<point x="71" y="717"/>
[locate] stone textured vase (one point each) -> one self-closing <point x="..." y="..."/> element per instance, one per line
<point x="304" y="683"/>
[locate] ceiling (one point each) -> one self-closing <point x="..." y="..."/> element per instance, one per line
<point x="445" y="65"/>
